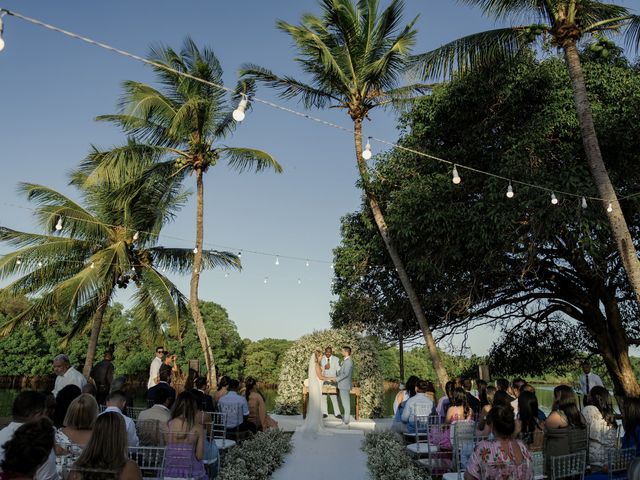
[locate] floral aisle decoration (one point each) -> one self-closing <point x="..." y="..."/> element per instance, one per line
<point x="256" y="458"/>
<point x="367" y="371"/>
<point x="387" y="458"/>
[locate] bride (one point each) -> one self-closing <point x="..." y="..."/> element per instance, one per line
<point x="313" y="422"/>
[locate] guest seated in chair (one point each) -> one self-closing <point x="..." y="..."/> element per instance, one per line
<point x="236" y="409"/>
<point x="205" y="401"/>
<point x="163" y="384"/>
<point x="419" y="404"/>
<point x="152" y="422"/>
<point x="257" y="408"/>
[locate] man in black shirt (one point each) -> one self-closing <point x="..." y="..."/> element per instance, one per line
<point x="102" y="374"/>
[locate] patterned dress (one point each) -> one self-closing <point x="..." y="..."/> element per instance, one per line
<point x="489" y="461"/>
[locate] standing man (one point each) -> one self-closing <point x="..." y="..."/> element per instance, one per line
<point x="344" y="385"/>
<point x="588" y="380"/>
<point x="102" y="374"/>
<point x="66" y="374"/>
<point x="154" y="369"/>
<point x="330" y="366"/>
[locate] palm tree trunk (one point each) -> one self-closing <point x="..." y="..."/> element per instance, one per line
<point x="95" y="335"/>
<point x="414" y="300"/>
<point x="195" y="282"/>
<point x="619" y="228"/>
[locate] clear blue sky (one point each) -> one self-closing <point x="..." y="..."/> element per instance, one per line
<point x="52" y="88"/>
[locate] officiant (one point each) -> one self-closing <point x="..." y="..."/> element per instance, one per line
<point x="330" y="367"/>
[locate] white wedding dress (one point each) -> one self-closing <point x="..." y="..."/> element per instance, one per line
<point x="313" y="424"/>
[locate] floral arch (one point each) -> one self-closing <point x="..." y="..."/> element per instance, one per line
<point x="367" y="375"/>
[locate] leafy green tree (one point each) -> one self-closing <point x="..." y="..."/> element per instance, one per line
<point x="183" y="122"/>
<point x="355" y="56"/>
<point x="540" y="272"/>
<point x="565" y="24"/>
<point x="87" y="252"/>
<point x="263" y="358"/>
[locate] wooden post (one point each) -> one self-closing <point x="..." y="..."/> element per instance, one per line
<point x="483" y="372"/>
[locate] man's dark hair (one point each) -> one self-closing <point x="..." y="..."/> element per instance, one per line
<point x="200" y="383"/>
<point x="28" y="403"/>
<point x="502" y="384"/>
<point x="117" y="396"/>
<point x="466" y="384"/>
<point x="161" y="396"/>
<point x="517" y="383"/>
<point x="165" y="373"/>
<point x="423" y="385"/>
<point x="233" y="384"/>
<point x="29" y="447"/>
<point x="159" y="348"/>
<point x="348" y="349"/>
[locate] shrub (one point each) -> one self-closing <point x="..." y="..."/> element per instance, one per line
<point x="388" y="458"/>
<point x="257" y="458"/>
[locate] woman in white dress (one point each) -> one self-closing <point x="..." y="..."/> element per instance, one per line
<point x="313" y="421"/>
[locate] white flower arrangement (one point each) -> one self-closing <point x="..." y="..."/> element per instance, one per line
<point x="387" y="458"/>
<point x="256" y="458"/>
<point x="368" y="372"/>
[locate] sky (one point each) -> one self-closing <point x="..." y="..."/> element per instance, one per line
<point x="52" y="87"/>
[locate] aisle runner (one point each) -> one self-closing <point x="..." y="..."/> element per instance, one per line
<point x="335" y="456"/>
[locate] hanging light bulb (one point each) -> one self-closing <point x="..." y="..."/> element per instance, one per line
<point x="226" y="275"/>
<point x="59" y="224"/>
<point x="332" y="266"/>
<point x="2" y="14"/>
<point x="455" y="177"/>
<point x="39" y="264"/>
<point x="266" y="280"/>
<point x="306" y="264"/>
<point x="93" y="265"/>
<point x="238" y="114"/>
<point x="277" y="261"/>
<point x="136" y="236"/>
<point x="510" y="191"/>
<point x="239" y="254"/>
<point x="366" y="154"/>
<point x="583" y="204"/>
<point x="195" y="250"/>
<point x="19" y="261"/>
<point x="554" y="199"/>
<point x="299" y="282"/>
<point x="609" y="208"/>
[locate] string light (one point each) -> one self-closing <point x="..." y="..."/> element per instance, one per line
<point x="2" y="14"/>
<point x="39" y="264"/>
<point x="238" y="114"/>
<point x="59" y="224"/>
<point x="299" y="282"/>
<point x="510" y="191"/>
<point x="306" y="264"/>
<point x="609" y="208"/>
<point x="277" y="261"/>
<point x="332" y="266"/>
<point x="226" y="275"/>
<point x="241" y="109"/>
<point x="239" y="254"/>
<point x="583" y="204"/>
<point x="195" y="250"/>
<point x="455" y="177"/>
<point x="266" y="280"/>
<point x="19" y="261"/>
<point x="366" y="154"/>
<point x="136" y="236"/>
<point x="554" y="199"/>
<point x="93" y="265"/>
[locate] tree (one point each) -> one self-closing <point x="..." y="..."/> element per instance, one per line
<point x="567" y="23"/>
<point x="538" y="272"/>
<point x="74" y="269"/>
<point x="355" y="56"/>
<point x="182" y="122"/>
<point x="262" y="359"/>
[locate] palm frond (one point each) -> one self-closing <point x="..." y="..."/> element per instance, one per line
<point x="180" y="260"/>
<point x="632" y="32"/>
<point x="511" y="8"/>
<point x="242" y="159"/>
<point x="473" y="51"/>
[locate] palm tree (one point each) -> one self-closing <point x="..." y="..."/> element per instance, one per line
<point x="182" y="122"/>
<point x="355" y="56"/>
<point x="86" y="253"/>
<point x="565" y="23"/>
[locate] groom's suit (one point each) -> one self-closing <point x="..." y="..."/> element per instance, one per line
<point x="344" y="387"/>
<point x="332" y="371"/>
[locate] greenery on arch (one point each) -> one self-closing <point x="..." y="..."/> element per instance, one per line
<point x="367" y="375"/>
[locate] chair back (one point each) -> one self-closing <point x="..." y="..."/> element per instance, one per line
<point x="439" y="449"/>
<point x="506" y="471"/>
<point x="464" y="441"/>
<point x="133" y="412"/>
<point x="150" y="433"/>
<point x="77" y="473"/>
<point x="179" y="455"/>
<point x="150" y="460"/>
<point x="569" y="466"/>
<point x="618" y="460"/>
<point x="538" y="464"/>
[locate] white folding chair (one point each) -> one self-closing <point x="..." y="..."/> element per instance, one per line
<point x="538" y="465"/>
<point x="618" y="461"/>
<point x="439" y="451"/>
<point x="217" y="431"/>
<point x="569" y="466"/>
<point x="505" y="471"/>
<point x="133" y="412"/>
<point x="422" y="425"/>
<point x="150" y="433"/>
<point x="150" y="460"/>
<point x="420" y="411"/>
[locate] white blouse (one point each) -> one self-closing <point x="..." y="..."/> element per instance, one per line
<point x="602" y="436"/>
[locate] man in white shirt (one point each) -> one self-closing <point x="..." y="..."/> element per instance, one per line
<point x="66" y="374"/>
<point x="154" y="368"/>
<point x="588" y="380"/>
<point x="419" y="404"/>
<point x="236" y="409"/>
<point x="29" y="406"/>
<point x="117" y="402"/>
<point x="330" y="367"/>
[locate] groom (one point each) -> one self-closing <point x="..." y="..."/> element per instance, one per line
<point x="344" y="385"/>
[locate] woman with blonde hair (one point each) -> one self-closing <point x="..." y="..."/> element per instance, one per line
<point x="105" y="456"/>
<point x="78" y="422"/>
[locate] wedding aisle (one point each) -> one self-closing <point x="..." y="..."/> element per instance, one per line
<point x="335" y="455"/>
